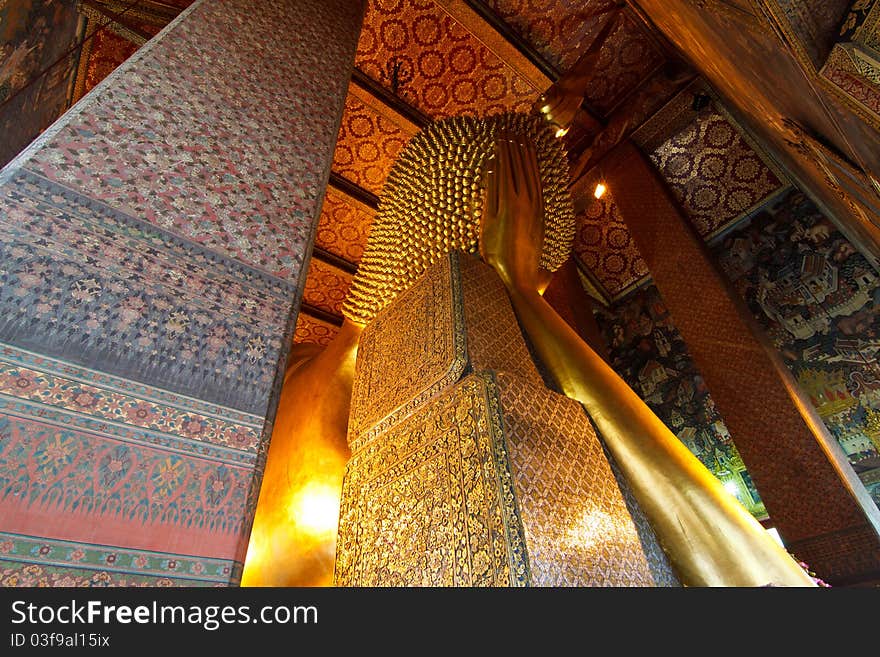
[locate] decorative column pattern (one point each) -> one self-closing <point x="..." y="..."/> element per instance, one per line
<point x="814" y="500"/>
<point x="152" y="250"/>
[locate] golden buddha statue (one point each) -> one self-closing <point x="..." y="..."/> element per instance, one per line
<point x="497" y="187"/>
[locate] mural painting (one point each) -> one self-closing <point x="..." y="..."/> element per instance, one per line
<point x="647" y="350"/>
<point x="38" y="61"/>
<point x="817" y="297"/>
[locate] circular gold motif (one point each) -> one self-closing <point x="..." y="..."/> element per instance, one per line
<point x="618" y="238"/>
<point x="705" y="197"/>
<point x="393" y="34"/>
<point x="431" y="64"/>
<point x="427" y="30"/>
<point x="462" y="60"/>
<point x="712" y="167"/>
<point x="719" y="135"/>
<point x="464" y="92"/>
<point x="494" y="87"/>
<point x="747" y="169"/>
<point x="431" y="204"/>
<point x="590" y="235"/>
<point x="614" y="263"/>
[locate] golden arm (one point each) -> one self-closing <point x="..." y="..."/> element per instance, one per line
<point x="708" y="535"/>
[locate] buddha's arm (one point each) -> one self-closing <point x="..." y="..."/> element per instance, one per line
<point x="710" y="538"/>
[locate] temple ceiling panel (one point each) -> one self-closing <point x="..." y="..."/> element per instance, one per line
<point x="558" y="29"/>
<point x="311" y="330"/>
<point x="417" y="51"/>
<point x="715" y="172"/>
<point x="326" y="287"/>
<point x="627" y="59"/>
<point x="108" y="43"/>
<point x="367" y="145"/>
<point x="343" y="226"/>
<point x="561" y="31"/>
<point x="604" y="246"/>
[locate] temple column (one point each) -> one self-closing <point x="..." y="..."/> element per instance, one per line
<point x="153" y="245"/>
<point x="814" y="499"/>
<point x="566" y="296"/>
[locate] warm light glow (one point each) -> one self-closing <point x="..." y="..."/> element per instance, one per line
<point x="315" y="508"/>
<point x="592" y="528"/>
<point x="545" y="109"/>
<point x="561" y="132"/>
<point x="600" y="190"/>
<point x="732" y="487"/>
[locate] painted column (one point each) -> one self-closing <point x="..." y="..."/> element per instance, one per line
<point x="567" y="297"/>
<point x="152" y="256"/>
<point x="815" y="501"/>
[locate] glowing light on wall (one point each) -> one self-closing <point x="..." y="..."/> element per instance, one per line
<point x="315" y="508"/>
<point x="600" y="190"/>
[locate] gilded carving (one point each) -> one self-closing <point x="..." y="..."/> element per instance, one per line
<point x="494" y="339"/>
<point x="432" y="203"/>
<point x="412" y="349"/>
<point x="430" y="502"/>
<point x="577" y="525"/>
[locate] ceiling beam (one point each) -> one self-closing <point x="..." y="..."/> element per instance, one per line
<point x="320" y="314"/>
<point x="390" y="100"/>
<point x="501" y="40"/>
<point x="522" y="46"/>
<point x="113" y="21"/>
<point x="348" y="188"/>
<point x="334" y="260"/>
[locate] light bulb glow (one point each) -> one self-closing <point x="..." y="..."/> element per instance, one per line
<point x="600" y="190"/>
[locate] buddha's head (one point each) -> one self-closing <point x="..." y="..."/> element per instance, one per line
<point x="431" y="204"/>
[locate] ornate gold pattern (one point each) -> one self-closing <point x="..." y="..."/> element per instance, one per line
<point x="605" y="247"/>
<point x="461" y="482"/>
<point x="343" y="226"/>
<point x="494" y="340"/>
<point x="367" y="145"/>
<point x="431" y="204"/>
<point x="314" y="331"/>
<point x="326" y="286"/>
<point x="430" y="502"/>
<point x="578" y="529"/>
<point x="422" y="53"/>
<point x="414" y="348"/>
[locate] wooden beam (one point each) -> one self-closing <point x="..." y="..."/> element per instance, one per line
<point x="334" y="260"/>
<point x="348" y="188"/>
<point x="113" y="21"/>
<point x="364" y="82"/>
<point x="522" y="46"/>
<point x="320" y="315"/>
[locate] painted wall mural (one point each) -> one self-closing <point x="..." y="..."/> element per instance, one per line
<point x="649" y="353"/>
<point x="34" y="34"/>
<point x="817" y="297"/>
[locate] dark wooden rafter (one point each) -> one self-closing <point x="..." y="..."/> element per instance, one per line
<point x="147" y="11"/>
<point x="513" y="38"/>
<point x="334" y="260"/>
<point x="320" y="314"/>
<point x="389" y="99"/>
<point x="348" y="188"/>
<point x="113" y="21"/>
